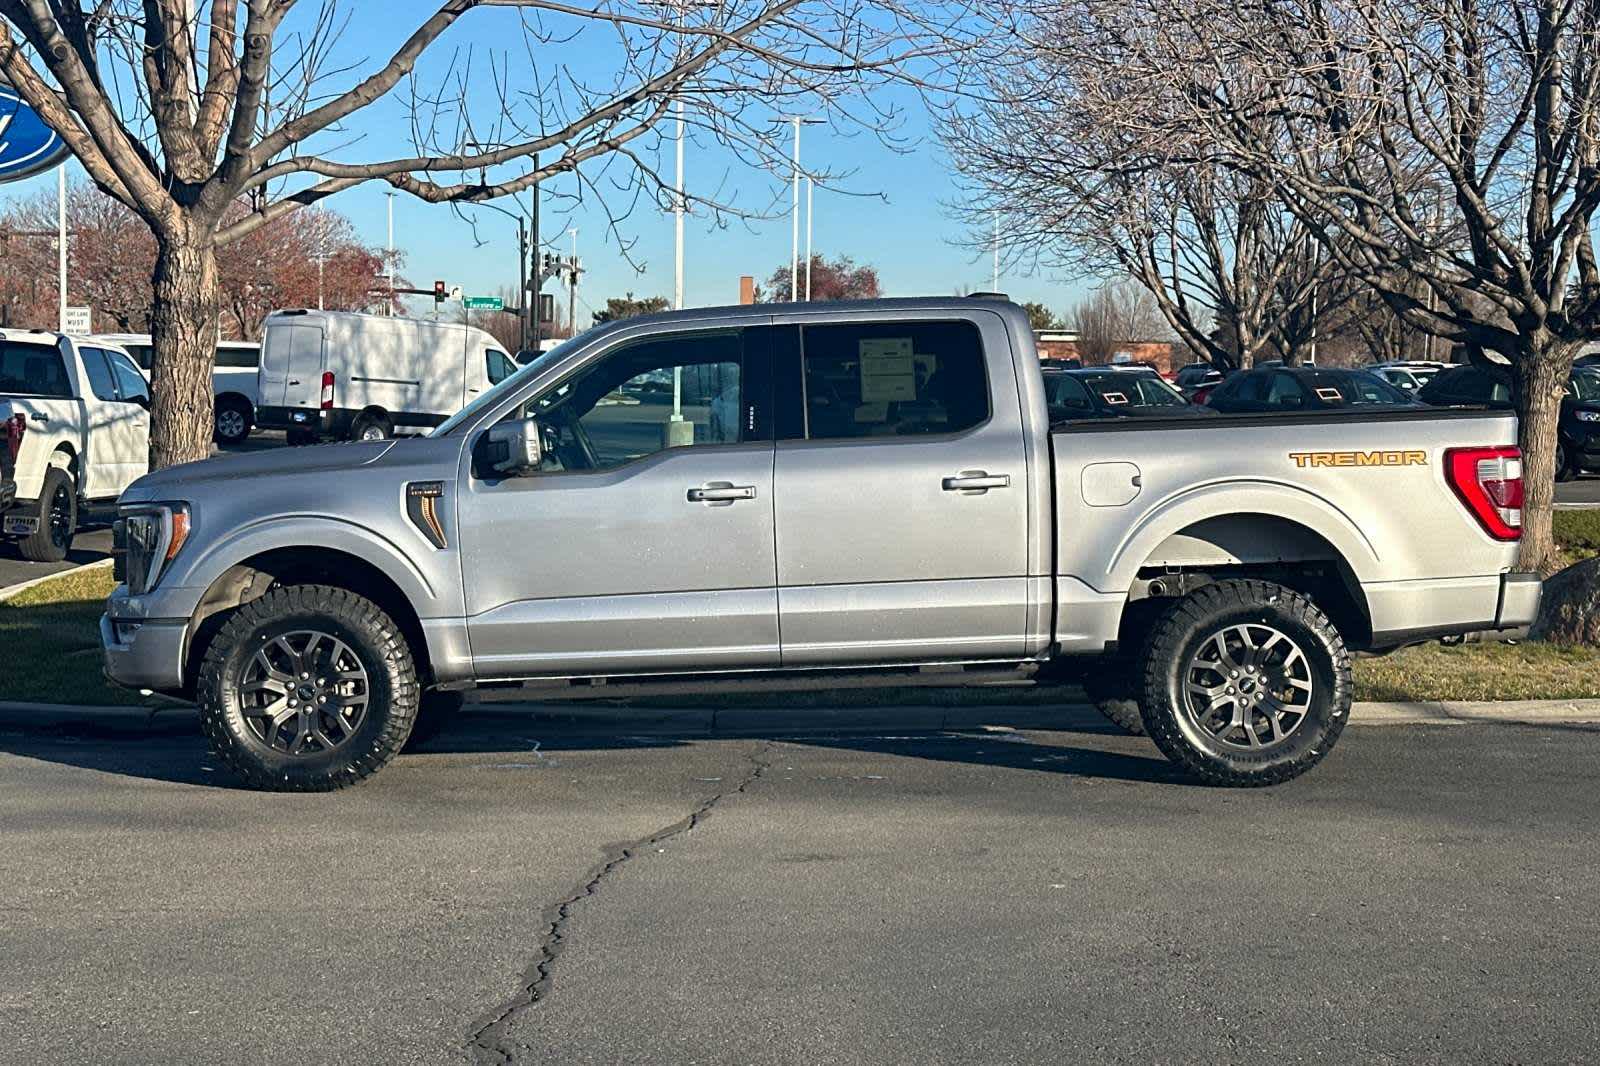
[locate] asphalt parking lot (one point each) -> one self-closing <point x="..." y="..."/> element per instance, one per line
<point x="527" y="890"/>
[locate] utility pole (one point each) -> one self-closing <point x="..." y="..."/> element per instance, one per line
<point x="572" y="299"/>
<point x="61" y="247"/>
<point x="996" y="286"/>
<point x="522" y="283"/>
<point x="538" y="263"/>
<point x="389" y="310"/>
<point x="809" y="218"/>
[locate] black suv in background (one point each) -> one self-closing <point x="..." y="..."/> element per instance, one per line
<point x="1304" y="388"/>
<point x="1578" y="432"/>
<point x="1101" y="393"/>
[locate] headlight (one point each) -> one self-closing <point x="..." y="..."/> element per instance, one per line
<point x="1588" y="416"/>
<point x="145" y="538"/>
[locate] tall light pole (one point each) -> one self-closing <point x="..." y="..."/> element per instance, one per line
<point x="390" y="308"/>
<point x="794" y="206"/>
<point x="996" y="285"/>
<point x="572" y="299"/>
<point x="810" y="217"/>
<point x="61" y="246"/>
<point x="677" y="215"/>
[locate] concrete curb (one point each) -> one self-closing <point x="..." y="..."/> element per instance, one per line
<point x="23" y="586"/>
<point x="584" y="718"/>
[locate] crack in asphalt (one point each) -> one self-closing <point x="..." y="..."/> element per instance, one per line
<point x="488" y="1042"/>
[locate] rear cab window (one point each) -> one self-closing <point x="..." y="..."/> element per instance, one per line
<point x="33" y="370"/>
<point x="887" y="379"/>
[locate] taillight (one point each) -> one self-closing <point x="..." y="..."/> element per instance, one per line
<point x="1489" y="482"/>
<point x="326" y="399"/>
<point x="16" y="426"/>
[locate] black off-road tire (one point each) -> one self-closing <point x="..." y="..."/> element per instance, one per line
<point x="1113" y="688"/>
<point x="369" y="633"/>
<point x="1190" y="624"/>
<point x="437" y="710"/>
<point x="45" y="544"/>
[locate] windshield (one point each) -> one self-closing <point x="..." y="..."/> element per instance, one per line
<point x="529" y="370"/>
<point x="1586" y="385"/>
<point x="1127" y="388"/>
<point x="1355" y="388"/>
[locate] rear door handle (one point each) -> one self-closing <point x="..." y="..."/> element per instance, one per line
<point x="721" y="493"/>
<point x="976" y="481"/>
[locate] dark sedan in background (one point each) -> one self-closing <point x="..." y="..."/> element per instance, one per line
<point x="1304" y="388"/>
<point x="1103" y="393"/>
<point x="1578" y="432"/>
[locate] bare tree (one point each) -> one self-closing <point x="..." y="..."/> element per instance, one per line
<point x="1447" y="154"/>
<point x="181" y="109"/>
<point x="1111" y="317"/>
<point x="1077" y="177"/>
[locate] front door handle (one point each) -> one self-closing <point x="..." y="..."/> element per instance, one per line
<point x="721" y="493"/>
<point x="976" y="481"/>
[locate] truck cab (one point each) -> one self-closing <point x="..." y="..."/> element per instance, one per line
<point x="78" y="420"/>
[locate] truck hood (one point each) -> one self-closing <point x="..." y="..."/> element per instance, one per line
<point x="176" y="481"/>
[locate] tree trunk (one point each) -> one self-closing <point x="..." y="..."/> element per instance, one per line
<point x="183" y="331"/>
<point x="1541" y="378"/>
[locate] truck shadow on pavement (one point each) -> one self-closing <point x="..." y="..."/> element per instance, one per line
<point x="168" y="746"/>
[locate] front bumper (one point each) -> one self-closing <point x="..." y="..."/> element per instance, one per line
<point x="144" y="653"/>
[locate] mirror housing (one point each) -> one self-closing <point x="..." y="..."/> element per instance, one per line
<point x="512" y="449"/>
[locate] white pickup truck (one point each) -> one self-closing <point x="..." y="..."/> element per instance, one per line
<point x="77" y="429"/>
<point x="233" y="379"/>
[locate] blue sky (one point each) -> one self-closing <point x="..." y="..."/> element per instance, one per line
<point x="898" y="220"/>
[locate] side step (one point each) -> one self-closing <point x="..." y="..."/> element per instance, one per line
<point x="616" y="688"/>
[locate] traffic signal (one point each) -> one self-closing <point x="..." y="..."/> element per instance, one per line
<point x="438" y="292"/>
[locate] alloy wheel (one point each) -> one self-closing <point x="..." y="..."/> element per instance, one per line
<point x="304" y="693"/>
<point x="1248" y="687"/>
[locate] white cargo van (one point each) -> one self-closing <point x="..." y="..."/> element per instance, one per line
<point x="343" y="375"/>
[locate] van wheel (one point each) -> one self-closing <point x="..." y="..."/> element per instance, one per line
<point x="57" y="511"/>
<point x="1245" y="683"/>
<point x="233" y="420"/>
<point x="307" y="689"/>
<point x="371" y="427"/>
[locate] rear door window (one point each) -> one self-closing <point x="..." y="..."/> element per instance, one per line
<point x="33" y="370"/>
<point x="892" y="379"/>
<point x="101" y="382"/>
<point x="305" y="353"/>
<point x="131" y="387"/>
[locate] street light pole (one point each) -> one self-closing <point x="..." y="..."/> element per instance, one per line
<point x="538" y="266"/>
<point x="794" y="218"/>
<point x="678" y="207"/>
<point x="572" y="299"/>
<point x="522" y="283"/>
<point x="996" y="286"/>
<point x="61" y="246"/>
<point x="389" y="310"/>
<point x="810" y="217"/>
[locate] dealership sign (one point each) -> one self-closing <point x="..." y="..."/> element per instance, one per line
<point x="27" y="145"/>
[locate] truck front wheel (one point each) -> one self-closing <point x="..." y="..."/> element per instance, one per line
<point x="1245" y="683"/>
<point x="307" y="689"/>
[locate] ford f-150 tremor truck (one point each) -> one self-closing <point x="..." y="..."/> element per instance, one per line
<point x="77" y="432"/>
<point x="845" y="491"/>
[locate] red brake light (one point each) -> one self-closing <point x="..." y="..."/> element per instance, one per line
<point x="1489" y="482"/>
<point x="15" y="427"/>
<point x="327" y="390"/>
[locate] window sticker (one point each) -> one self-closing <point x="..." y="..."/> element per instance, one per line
<point x="1328" y="395"/>
<point x="888" y="370"/>
<point x="1114" y="397"/>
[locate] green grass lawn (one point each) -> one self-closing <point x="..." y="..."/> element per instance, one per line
<point x="50" y="642"/>
<point x="1577" y="533"/>
<point x="50" y="653"/>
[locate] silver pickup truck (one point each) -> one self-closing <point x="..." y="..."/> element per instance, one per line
<point x="850" y="493"/>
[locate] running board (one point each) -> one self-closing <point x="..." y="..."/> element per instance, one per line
<point x="943" y="675"/>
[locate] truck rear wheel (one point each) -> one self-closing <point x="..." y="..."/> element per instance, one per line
<point x="1245" y="683"/>
<point x="307" y="689"/>
<point x="57" y="511"/>
<point x="234" y="419"/>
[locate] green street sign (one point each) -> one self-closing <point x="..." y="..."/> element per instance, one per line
<point x="484" y="303"/>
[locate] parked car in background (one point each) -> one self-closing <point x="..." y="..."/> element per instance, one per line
<point x="1577" y="432"/>
<point x="233" y="380"/>
<point x="349" y="376"/>
<point x="76" y="417"/>
<point x="1408" y="375"/>
<point x="1304" y="388"/>
<point x="1103" y="392"/>
<point x="1196" y="380"/>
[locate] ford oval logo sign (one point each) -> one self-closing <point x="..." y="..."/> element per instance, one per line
<point x="27" y="145"/>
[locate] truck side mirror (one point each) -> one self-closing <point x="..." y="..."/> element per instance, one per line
<point x="511" y="449"/>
